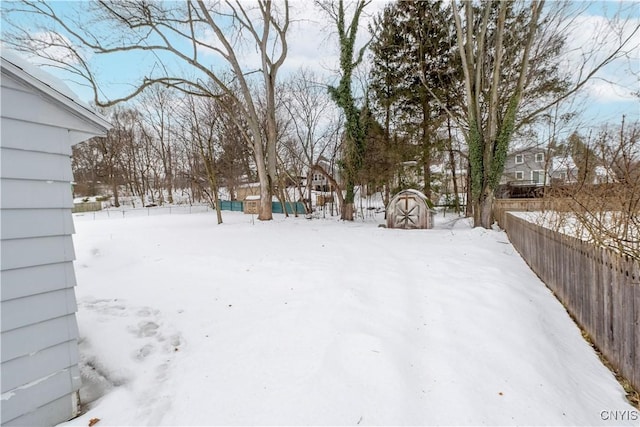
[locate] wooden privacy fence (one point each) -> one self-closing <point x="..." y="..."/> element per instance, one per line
<point x="502" y="206"/>
<point x="599" y="287"/>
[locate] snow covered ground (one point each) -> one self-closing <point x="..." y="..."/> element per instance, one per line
<point x="320" y="322"/>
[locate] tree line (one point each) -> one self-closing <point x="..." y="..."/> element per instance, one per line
<point x="438" y="82"/>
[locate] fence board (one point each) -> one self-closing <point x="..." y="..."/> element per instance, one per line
<point x="600" y="288"/>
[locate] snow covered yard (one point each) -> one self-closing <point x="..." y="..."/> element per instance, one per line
<point x="292" y="322"/>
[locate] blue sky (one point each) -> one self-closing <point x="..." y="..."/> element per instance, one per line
<point x="606" y="98"/>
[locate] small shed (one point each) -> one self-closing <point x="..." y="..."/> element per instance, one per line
<point x="251" y="205"/>
<point x="40" y="121"/>
<point x="410" y="209"/>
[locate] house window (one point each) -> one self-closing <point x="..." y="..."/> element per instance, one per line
<point x="539" y="157"/>
<point x="563" y="176"/>
<point x="537" y="177"/>
<point x="519" y="159"/>
<point x="519" y="175"/>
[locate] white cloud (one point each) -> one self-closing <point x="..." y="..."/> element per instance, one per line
<point x="608" y="92"/>
<point x="313" y="41"/>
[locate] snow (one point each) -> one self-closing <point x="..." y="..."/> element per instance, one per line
<point x="321" y="322"/>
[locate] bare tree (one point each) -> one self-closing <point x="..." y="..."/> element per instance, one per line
<point x="102" y="159"/>
<point x="158" y="103"/>
<point x="314" y="123"/>
<point x="128" y="123"/>
<point x="602" y="206"/>
<point x="85" y="164"/>
<point x="179" y="35"/>
<point x="201" y="128"/>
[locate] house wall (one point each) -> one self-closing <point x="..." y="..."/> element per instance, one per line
<point x="39" y="369"/>
<point x="529" y="164"/>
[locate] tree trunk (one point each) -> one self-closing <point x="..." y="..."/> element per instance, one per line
<point x="169" y="175"/>
<point x="116" y="200"/>
<point x="216" y="200"/>
<point x="483" y="210"/>
<point x="386" y="198"/>
<point x="469" y="205"/>
<point x="486" y="217"/>
<point x="265" y="209"/>
<point x="347" y="207"/>
<point x="452" y="162"/>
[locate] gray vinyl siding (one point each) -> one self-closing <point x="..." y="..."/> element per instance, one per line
<point x="528" y="165"/>
<point x="23" y="194"/>
<point x="14" y="135"/>
<point x="18" y="283"/>
<point x="39" y="333"/>
<point x="33" y="338"/>
<point x="37" y="366"/>
<point x="44" y="307"/>
<point x="25" y="223"/>
<point x="45" y="390"/>
<point x="23" y="253"/>
<point x="43" y="416"/>
<point x="25" y="105"/>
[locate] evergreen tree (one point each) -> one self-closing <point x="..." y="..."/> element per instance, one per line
<point x="414" y="58"/>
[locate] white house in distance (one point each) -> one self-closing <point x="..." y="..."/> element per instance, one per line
<point x="40" y="121"/>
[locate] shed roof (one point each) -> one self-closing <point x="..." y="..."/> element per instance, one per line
<point x="411" y="190"/>
<point x="50" y="86"/>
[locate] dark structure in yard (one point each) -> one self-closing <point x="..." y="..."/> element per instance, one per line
<point x="410" y="209"/>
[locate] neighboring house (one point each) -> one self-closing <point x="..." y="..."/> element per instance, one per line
<point x="532" y="167"/>
<point x="604" y="175"/>
<point x="527" y="166"/>
<point x="40" y="121"/>
<point x="249" y="189"/>
<point x="318" y="181"/>
<point x="562" y="170"/>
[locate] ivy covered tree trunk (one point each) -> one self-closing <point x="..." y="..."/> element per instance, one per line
<point x="491" y="112"/>
<point x="355" y="129"/>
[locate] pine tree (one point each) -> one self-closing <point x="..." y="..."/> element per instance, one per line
<point x="413" y="58"/>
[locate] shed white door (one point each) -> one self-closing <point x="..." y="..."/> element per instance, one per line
<point x="407" y="212"/>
